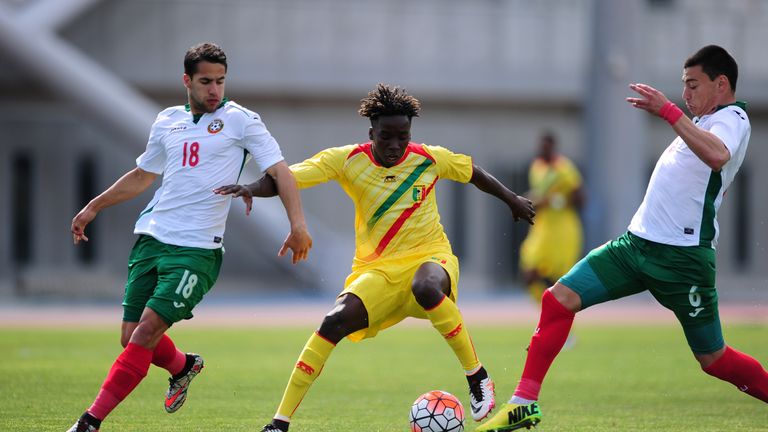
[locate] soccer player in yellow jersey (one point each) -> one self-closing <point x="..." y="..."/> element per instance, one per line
<point x="403" y="264"/>
<point x="554" y="244"/>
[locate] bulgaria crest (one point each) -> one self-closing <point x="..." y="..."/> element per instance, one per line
<point x="215" y="126"/>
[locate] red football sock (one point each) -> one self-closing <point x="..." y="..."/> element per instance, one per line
<point x="742" y="371"/>
<point x="168" y="357"/>
<point x="127" y="372"/>
<point x="554" y="325"/>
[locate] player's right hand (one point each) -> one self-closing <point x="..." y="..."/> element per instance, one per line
<point x="79" y="222"/>
<point x="237" y="191"/>
<point x="522" y="208"/>
<point x="650" y="99"/>
<point x="299" y="242"/>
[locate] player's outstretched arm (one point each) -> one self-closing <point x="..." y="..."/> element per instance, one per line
<point x="521" y="207"/>
<point x="126" y="187"/>
<point x="298" y="241"/>
<point x="704" y="144"/>
<point x="264" y="187"/>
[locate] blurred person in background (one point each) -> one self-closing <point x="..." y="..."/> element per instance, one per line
<point x="403" y="264"/>
<point x="178" y="254"/>
<point x="555" y="242"/>
<point x="669" y="246"/>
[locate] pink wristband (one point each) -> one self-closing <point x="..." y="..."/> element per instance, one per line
<point x="670" y="112"/>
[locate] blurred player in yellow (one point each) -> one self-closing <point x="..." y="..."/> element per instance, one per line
<point x="403" y="264"/>
<point x="555" y="243"/>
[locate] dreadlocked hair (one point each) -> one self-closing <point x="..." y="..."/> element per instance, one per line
<point x="387" y="100"/>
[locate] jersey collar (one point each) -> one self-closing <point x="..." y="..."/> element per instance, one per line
<point x="196" y="117"/>
<point x="738" y="103"/>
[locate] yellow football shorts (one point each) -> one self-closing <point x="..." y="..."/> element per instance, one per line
<point x="386" y="291"/>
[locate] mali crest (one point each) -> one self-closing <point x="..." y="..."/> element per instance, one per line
<point x="418" y="192"/>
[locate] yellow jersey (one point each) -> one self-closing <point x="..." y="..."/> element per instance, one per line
<point x="554" y="243"/>
<point x="396" y="213"/>
<point x="555" y="181"/>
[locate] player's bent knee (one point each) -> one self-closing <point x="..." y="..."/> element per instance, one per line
<point x="333" y="325"/>
<point x="148" y="333"/>
<point x="342" y="321"/>
<point x="427" y="292"/>
<point x="707" y="360"/>
<point x="126" y="332"/>
<point x="566" y="297"/>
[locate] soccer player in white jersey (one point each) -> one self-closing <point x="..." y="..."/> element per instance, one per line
<point x="178" y="254"/>
<point x="669" y="248"/>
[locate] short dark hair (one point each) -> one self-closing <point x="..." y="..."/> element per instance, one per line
<point x="548" y="135"/>
<point x="203" y="52"/>
<point x="715" y="61"/>
<point x="389" y="100"/>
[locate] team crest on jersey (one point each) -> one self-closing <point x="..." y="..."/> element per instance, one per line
<point x="216" y="126"/>
<point x="418" y="192"/>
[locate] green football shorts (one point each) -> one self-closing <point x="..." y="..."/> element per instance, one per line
<point x="170" y="280"/>
<point x="681" y="278"/>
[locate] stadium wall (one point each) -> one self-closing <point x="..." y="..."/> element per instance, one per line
<point x="491" y="75"/>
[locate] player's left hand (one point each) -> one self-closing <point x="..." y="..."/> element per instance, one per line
<point x="522" y="208"/>
<point x="651" y="100"/>
<point x="237" y="191"/>
<point x="299" y="242"/>
<point x="79" y="222"/>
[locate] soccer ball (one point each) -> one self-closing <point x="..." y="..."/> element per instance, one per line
<point x="437" y="411"/>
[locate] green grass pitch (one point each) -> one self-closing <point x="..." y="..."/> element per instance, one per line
<point x="616" y="378"/>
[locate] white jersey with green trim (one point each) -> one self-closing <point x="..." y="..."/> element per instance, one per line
<point x="194" y="158"/>
<point x="684" y="194"/>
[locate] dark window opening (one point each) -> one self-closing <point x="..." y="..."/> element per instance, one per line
<point x="21" y="214"/>
<point x="458" y="236"/>
<point x="661" y="3"/>
<point x="742" y="221"/>
<point x="86" y="190"/>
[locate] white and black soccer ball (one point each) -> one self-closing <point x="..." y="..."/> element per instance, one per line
<point x="437" y="411"/>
